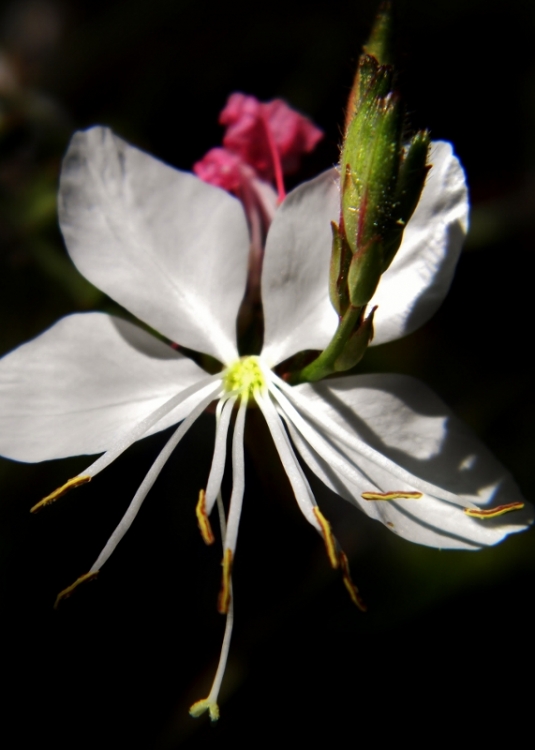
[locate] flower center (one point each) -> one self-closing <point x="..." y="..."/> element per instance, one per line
<point x="245" y="377"/>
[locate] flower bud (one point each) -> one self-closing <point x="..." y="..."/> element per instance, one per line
<point x="380" y="178"/>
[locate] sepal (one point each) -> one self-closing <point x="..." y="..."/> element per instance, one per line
<point x="356" y="345"/>
<point x="364" y="273"/>
<point x="341" y="257"/>
<point x="412" y="173"/>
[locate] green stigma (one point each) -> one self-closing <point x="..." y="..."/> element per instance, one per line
<point x="245" y="377"/>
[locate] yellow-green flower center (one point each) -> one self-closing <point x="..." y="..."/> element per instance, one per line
<point x="245" y="377"/>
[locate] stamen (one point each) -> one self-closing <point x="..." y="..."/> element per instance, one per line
<point x="332" y="454"/>
<point x="235" y="506"/>
<point x="149" y="480"/>
<point x="70" y="485"/>
<point x="217" y="469"/>
<point x="391" y="495"/>
<point x="238" y="478"/>
<point x="348" y="582"/>
<point x="328" y="538"/>
<point x="338" y="558"/>
<point x="499" y="510"/>
<point x="203" y="705"/>
<point x="65" y="593"/>
<point x="351" y="441"/>
<point x="141" y="428"/>
<point x="210" y="704"/>
<point x="202" y="519"/>
<point x="224" y="595"/>
<point x="302" y="492"/>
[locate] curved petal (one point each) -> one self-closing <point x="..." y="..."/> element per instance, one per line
<point x="406" y="422"/>
<point x="298" y="313"/>
<point x="413" y="288"/>
<point x="81" y="383"/>
<point x="165" y="245"/>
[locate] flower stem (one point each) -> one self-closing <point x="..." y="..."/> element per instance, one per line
<point x="324" y="364"/>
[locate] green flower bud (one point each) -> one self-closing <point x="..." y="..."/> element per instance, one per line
<point x="381" y="180"/>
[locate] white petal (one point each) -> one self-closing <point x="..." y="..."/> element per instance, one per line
<point x="298" y="313"/>
<point x="406" y="422"/>
<point x="414" y="286"/>
<point x="350" y="443"/>
<point x="165" y="245"/>
<point x="79" y="384"/>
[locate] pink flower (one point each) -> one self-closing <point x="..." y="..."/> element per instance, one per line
<point x="262" y="142"/>
<point x="268" y="136"/>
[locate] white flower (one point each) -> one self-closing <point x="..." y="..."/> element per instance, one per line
<point x="173" y="251"/>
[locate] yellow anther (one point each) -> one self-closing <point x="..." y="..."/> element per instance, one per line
<point x="203" y="520"/>
<point x="391" y="495"/>
<point x="70" y="589"/>
<point x="70" y="485"/>
<point x="328" y="538"/>
<point x="200" y="707"/>
<point x="224" y="595"/>
<point x="499" y="510"/>
<point x="348" y="583"/>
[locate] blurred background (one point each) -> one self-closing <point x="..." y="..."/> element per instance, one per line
<point x="119" y="664"/>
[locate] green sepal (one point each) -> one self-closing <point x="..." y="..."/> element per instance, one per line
<point x="370" y="164"/>
<point x="411" y="180"/>
<point x="377" y="52"/>
<point x="372" y="81"/>
<point x="364" y="273"/>
<point x="340" y="260"/>
<point x="356" y="345"/>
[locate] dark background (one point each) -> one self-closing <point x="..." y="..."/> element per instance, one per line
<point x="447" y="643"/>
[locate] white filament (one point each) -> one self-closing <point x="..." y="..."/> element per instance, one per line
<point x="142" y="427"/>
<point x="334" y="457"/>
<point x="355" y="443"/>
<point x="238" y="478"/>
<point x="149" y="480"/>
<point x="303" y="493"/>
<point x="217" y="469"/>
<point x="229" y="623"/>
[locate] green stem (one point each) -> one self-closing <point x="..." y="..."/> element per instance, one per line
<point x="324" y="364"/>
